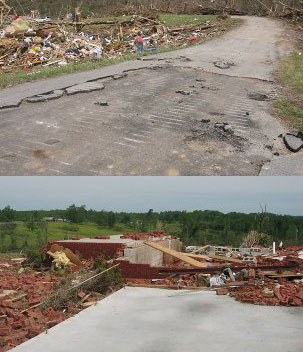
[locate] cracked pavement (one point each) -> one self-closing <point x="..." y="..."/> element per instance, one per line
<point x="204" y="110"/>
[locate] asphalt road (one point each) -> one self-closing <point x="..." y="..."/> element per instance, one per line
<point x="204" y="110"/>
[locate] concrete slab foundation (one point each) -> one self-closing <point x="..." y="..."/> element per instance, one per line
<point x="149" y="320"/>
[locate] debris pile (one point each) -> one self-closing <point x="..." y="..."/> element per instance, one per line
<point x="31" y="301"/>
<point x="26" y="44"/>
<point x="266" y="279"/>
<point x="26" y="47"/>
<point x="146" y="235"/>
<point x="177" y="282"/>
<point x="275" y="287"/>
<point x="21" y="291"/>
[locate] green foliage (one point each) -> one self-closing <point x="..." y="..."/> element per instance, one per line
<point x="75" y="214"/>
<point x="31" y="223"/>
<point x="111" y="219"/>
<point x="291" y="110"/>
<point x="8" y="230"/>
<point x="265" y="240"/>
<point x="197" y="227"/>
<point x="290" y="104"/>
<point x="111" y="278"/>
<point x="255" y="238"/>
<point x="100" y="264"/>
<point x="292" y="72"/>
<point x="7" y="214"/>
<point x="35" y="258"/>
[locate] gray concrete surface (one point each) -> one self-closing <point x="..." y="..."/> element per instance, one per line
<point x="153" y="320"/>
<point x="148" y="128"/>
<point x="289" y="165"/>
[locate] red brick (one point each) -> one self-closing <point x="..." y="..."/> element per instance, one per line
<point x="81" y="294"/>
<point x="4" y="331"/>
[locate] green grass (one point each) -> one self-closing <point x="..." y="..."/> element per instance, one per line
<point x="292" y="111"/>
<point x="11" y="255"/>
<point x="290" y="104"/>
<point x="42" y="73"/>
<point x="60" y="231"/>
<point x="292" y="72"/>
<point x="10" y="79"/>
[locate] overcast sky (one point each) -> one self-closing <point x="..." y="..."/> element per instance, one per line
<point x="283" y="195"/>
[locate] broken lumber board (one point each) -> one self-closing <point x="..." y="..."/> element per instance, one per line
<point x="15" y="299"/>
<point x="212" y="256"/>
<point x="285" y="275"/>
<point x="218" y="268"/>
<point x="201" y="249"/>
<point x="184" y="257"/>
<point x="171" y="287"/>
<point x="88" y="304"/>
<point x="84" y="299"/>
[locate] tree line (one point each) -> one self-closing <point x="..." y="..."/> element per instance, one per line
<point x="120" y="7"/>
<point x="197" y="227"/>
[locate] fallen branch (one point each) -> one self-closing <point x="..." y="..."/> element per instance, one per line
<point x="93" y="277"/>
<point x="290" y="7"/>
<point x="71" y="288"/>
<point x="267" y="8"/>
<point x="16" y="299"/>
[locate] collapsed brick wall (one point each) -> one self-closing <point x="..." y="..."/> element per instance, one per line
<point x="93" y="250"/>
<point x="139" y="271"/>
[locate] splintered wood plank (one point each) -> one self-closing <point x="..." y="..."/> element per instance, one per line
<point x="285" y="275"/>
<point x="184" y="257"/>
<point x="201" y="249"/>
<point x="217" y="257"/>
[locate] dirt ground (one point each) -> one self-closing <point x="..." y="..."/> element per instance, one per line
<point x="205" y="110"/>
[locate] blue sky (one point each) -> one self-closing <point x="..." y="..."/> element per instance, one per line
<point x="283" y="195"/>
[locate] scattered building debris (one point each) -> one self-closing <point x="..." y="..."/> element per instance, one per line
<point x="33" y="301"/>
<point x="27" y="43"/>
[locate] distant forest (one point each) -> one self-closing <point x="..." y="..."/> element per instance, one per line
<point x="60" y="8"/>
<point x="197" y="227"/>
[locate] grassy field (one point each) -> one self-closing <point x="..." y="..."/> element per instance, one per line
<point x="10" y="79"/>
<point x="290" y="106"/>
<point x="60" y="231"/>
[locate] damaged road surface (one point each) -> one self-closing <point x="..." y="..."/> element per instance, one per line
<point x="205" y="110"/>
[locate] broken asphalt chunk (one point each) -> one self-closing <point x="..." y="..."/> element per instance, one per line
<point x="119" y="76"/>
<point x="183" y="92"/>
<point x="85" y="88"/>
<point x="223" y="65"/>
<point x="56" y="94"/>
<point x="293" y="143"/>
<point x="102" y="103"/>
<point x="258" y="96"/>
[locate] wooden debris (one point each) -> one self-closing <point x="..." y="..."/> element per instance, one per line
<point x="216" y="257"/>
<point x="181" y="256"/>
<point x="16" y="299"/>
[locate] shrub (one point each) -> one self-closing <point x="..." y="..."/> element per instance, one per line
<point x="35" y="258"/>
